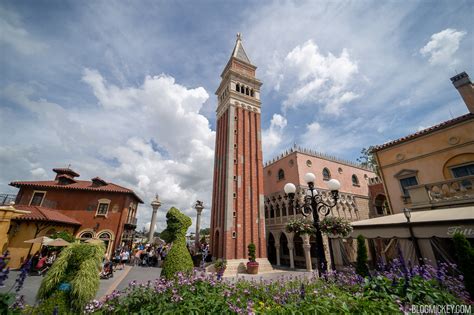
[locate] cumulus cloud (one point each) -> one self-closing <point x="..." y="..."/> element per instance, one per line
<point x="150" y="138"/>
<point x="308" y="76"/>
<point x="442" y="46"/>
<point x="273" y="136"/>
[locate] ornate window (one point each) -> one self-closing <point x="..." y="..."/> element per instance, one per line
<point x="309" y="163"/>
<point x="86" y="235"/>
<point x="355" y="180"/>
<point x="339" y="170"/>
<point x="103" y="207"/>
<point x="326" y="174"/>
<point x="281" y="174"/>
<point x="237" y="87"/>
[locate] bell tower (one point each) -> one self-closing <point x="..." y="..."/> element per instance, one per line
<point x="237" y="217"/>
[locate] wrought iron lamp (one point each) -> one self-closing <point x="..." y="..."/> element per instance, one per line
<point x="314" y="204"/>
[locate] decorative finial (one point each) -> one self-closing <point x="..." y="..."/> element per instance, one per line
<point x="69" y="166"/>
<point x="239" y="36"/>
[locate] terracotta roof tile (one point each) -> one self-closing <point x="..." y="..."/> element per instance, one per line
<point x="44" y="214"/>
<point x="78" y="185"/>
<point x="423" y="132"/>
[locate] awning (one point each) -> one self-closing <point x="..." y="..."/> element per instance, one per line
<point x="425" y="224"/>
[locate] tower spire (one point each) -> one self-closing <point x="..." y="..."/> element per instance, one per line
<point x="239" y="52"/>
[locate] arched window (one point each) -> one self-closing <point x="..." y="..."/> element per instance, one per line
<point x="355" y="180"/>
<point x="266" y="212"/>
<point x="326" y="174"/>
<point x="86" y="235"/>
<point x="281" y="174"/>
<point x="272" y="212"/>
<point x="247" y="91"/>
<point x="252" y="93"/>
<point x="237" y="87"/>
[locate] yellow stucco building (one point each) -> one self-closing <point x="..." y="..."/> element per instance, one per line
<point x="21" y="223"/>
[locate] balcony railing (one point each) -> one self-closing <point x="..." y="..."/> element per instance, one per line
<point x="446" y="193"/>
<point x="6" y="199"/>
<point x="132" y="222"/>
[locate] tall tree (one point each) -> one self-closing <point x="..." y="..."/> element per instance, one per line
<point x="367" y="159"/>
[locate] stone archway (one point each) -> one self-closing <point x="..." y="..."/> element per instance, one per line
<point x="284" y="251"/>
<point x="271" y="250"/>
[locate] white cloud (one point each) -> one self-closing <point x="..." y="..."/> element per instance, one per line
<point x="442" y="46"/>
<point x="308" y="76"/>
<point x="14" y="35"/>
<point x="273" y="136"/>
<point x="150" y="138"/>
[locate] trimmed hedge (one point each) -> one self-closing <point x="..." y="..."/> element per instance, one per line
<point x="465" y="257"/>
<point x="361" y="266"/>
<point x="178" y="258"/>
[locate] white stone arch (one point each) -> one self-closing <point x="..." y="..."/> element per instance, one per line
<point x="81" y="233"/>
<point x="109" y="248"/>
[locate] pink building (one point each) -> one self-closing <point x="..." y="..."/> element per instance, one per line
<point x="287" y="249"/>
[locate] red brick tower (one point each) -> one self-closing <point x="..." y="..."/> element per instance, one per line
<point x="237" y="197"/>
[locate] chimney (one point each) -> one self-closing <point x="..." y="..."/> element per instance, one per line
<point x="464" y="86"/>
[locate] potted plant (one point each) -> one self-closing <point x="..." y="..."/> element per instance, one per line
<point x="220" y="265"/>
<point x="335" y="226"/>
<point x="252" y="265"/>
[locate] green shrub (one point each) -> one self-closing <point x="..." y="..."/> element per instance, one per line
<point x="58" y="301"/>
<point x="251" y="249"/>
<point x="465" y="257"/>
<point x="79" y="265"/>
<point x="68" y="237"/>
<point x="361" y="265"/>
<point x="178" y="258"/>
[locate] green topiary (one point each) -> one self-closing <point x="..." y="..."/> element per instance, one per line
<point x="361" y="266"/>
<point x="178" y="258"/>
<point x="465" y="259"/>
<point x="251" y="249"/>
<point x="77" y="267"/>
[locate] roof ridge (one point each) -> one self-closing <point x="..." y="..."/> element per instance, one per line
<point x="424" y="131"/>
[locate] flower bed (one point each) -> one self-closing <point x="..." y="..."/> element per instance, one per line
<point x="335" y="226"/>
<point x="391" y="291"/>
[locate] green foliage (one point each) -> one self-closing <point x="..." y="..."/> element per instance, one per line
<point x="333" y="294"/>
<point x="465" y="257"/>
<point x="64" y="235"/>
<point x="58" y="301"/>
<point x="220" y="264"/>
<point x="361" y="265"/>
<point x="367" y="159"/>
<point x="336" y="226"/>
<point x="79" y="265"/>
<point x="6" y="299"/>
<point x="178" y="258"/>
<point x="206" y="231"/>
<point x="251" y="252"/>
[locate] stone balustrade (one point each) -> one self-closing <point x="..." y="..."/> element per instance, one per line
<point x="449" y="192"/>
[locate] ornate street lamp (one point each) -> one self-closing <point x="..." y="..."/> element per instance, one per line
<point x="419" y="257"/>
<point x="313" y="204"/>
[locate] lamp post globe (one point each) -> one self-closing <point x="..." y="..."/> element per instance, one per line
<point x="289" y="188"/>
<point x="309" y="178"/>
<point x="333" y="185"/>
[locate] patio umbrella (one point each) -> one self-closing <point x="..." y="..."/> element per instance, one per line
<point x="58" y="242"/>
<point x="40" y="240"/>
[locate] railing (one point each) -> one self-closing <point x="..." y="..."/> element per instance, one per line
<point x="450" y="192"/>
<point x="375" y="180"/>
<point x="6" y="199"/>
<point x="132" y="221"/>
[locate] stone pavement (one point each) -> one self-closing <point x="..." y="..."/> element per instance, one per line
<point x="32" y="284"/>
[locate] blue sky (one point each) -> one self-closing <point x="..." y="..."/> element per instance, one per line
<point x="125" y="90"/>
